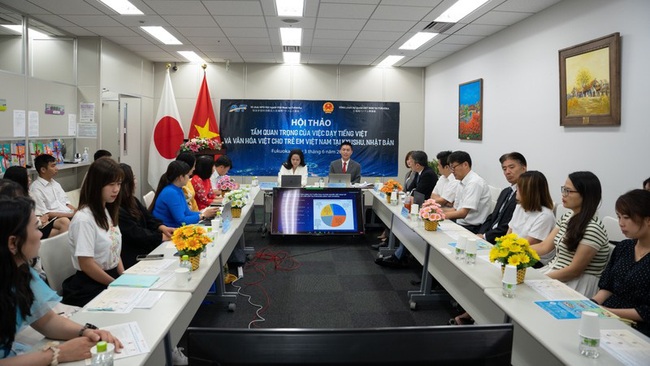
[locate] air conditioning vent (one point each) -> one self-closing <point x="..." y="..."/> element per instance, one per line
<point x="438" y="27"/>
<point x="290" y="48"/>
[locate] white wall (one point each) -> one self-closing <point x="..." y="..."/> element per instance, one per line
<point x="520" y="71"/>
<point x="311" y="82"/>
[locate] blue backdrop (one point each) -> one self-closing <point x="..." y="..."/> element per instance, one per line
<point x="258" y="134"/>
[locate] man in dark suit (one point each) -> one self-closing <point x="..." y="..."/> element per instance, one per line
<point x="496" y="225"/>
<point x="425" y="178"/>
<point x="424" y="181"/>
<point x="345" y="165"/>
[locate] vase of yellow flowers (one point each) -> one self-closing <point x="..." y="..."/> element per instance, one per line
<point x="431" y="214"/>
<point x="516" y="251"/>
<point x="389" y="187"/>
<point x="191" y="240"/>
<point x="238" y="199"/>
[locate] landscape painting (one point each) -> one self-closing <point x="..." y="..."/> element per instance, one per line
<point x="590" y="83"/>
<point x="470" y="110"/>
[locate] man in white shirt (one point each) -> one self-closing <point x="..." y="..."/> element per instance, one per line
<point x="444" y="193"/>
<point x="48" y="193"/>
<point x="221" y="167"/>
<point x="472" y="202"/>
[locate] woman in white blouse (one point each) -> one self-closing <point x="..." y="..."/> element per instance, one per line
<point x="533" y="217"/>
<point x="295" y="165"/>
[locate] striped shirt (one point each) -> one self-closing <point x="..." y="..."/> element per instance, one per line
<point x="595" y="236"/>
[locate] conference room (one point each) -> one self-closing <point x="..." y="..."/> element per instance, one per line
<point x="98" y="84"/>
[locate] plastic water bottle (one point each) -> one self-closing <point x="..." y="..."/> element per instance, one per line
<point x="377" y="184"/>
<point x="321" y="182"/>
<point x="84" y="156"/>
<point x="394" y="198"/>
<point x="255" y="182"/>
<point x="102" y="354"/>
<point x="185" y="263"/>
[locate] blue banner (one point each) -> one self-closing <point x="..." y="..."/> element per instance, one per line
<point x="258" y="134"/>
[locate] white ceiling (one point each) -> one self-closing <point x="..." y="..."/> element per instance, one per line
<point x="346" y="32"/>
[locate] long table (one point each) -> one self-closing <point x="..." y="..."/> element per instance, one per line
<point x="164" y="324"/>
<point x="539" y="338"/>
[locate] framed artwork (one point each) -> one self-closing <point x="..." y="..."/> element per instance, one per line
<point x="470" y="110"/>
<point x="590" y="83"/>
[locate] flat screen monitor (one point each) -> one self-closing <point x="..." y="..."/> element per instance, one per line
<point x="418" y="198"/>
<point x="291" y="181"/>
<point x="301" y="211"/>
<point x="436" y="345"/>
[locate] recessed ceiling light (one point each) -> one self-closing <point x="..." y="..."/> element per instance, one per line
<point x="291" y="58"/>
<point x="122" y="7"/>
<point x="417" y="40"/>
<point x="389" y="61"/>
<point x="460" y="10"/>
<point x="291" y="36"/>
<point x="161" y="34"/>
<point x="192" y="57"/>
<point x="289" y="8"/>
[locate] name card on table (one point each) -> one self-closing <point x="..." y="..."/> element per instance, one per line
<point x="405" y="213"/>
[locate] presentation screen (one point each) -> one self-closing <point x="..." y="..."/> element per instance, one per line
<point x="300" y="211"/>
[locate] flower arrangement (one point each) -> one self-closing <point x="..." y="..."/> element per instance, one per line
<point x="237" y="197"/>
<point x="513" y="250"/>
<point x="199" y="143"/>
<point x="190" y="240"/>
<point x="431" y="211"/>
<point x="391" y="185"/>
<point x="226" y="184"/>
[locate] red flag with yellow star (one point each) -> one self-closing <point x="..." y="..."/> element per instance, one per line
<point x="204" y="123"/>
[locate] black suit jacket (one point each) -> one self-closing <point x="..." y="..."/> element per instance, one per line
<point x="502" y="226"/>
<point x="424" y="182"/>
<point x="139" y="235"/>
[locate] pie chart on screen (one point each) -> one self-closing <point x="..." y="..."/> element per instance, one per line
<point x="333" y="215"/>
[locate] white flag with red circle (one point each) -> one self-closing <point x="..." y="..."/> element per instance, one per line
<point x="167" y="135"/>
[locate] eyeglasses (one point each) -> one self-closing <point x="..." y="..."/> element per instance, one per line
<point x="566" y="191"/>
<point x="452" y="167"/>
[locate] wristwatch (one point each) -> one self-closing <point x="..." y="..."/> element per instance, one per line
<point x="87" y="326"/>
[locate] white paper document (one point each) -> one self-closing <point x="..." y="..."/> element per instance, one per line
<point x="116" y="300"/>
<point x="33" y="124"/>
<point x="131" y="337"/>
<point x="554" y="290"/>
<point x="625" y="346"/>
<point x="149" y="300"/>
<point x="150" y="267"/>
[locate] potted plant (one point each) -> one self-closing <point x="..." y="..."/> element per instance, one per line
<point x="201" y="146"/>
<point x="191" y="240"/>
<point x="389" y="187"/>
<point x="516" y="251"/>
<point x="238" y="200"/>
<point x="431" y="213"/>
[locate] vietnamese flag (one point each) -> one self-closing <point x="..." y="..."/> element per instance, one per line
<point x="167" y="135"/>
<point x="204" y="123"/>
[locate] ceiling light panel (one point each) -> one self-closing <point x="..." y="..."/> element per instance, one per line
<point x="122" y="7"/>
<point x="161" y="34"/>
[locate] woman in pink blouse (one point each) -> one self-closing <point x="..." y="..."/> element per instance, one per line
<point x="204" y="193"/>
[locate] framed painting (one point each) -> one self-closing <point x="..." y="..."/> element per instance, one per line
<point x="590" y="83"/>
<point x="470" y="110"/>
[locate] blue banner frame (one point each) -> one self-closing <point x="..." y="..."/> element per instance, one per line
<point x="258" y="134"/>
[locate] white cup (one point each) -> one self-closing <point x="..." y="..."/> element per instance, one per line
<point x="461" y="242"/>
<point x="590" y="325"/>
<point x="182" y="276"/>
<point x="415" y="209"/>
<point x="510" y="274"/>
<point x="215" y="224"/>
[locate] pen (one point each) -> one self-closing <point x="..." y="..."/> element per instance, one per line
<point x="100" y="309"/>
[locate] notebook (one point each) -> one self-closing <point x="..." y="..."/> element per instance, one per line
<point x="129" y="280"/>
<point x="339" y="180"/>
<point x="291" y="181"/>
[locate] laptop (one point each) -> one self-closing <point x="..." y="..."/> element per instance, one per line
<point x="291" y="181"/>
<point x="339" y="180"/>
<point x="418" y="198"/>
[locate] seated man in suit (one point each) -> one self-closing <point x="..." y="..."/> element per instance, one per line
<point x="346" y="165"/>
<point x="424" y="181"/>
<point x="496" y="224"/>
<point x="425" y="178"/>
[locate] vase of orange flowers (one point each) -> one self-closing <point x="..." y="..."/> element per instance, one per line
<point x="191" y="240"/>
<point x="389" y="187"/>
<point x="431" y="213"/>
<point x="516" y="251"/>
